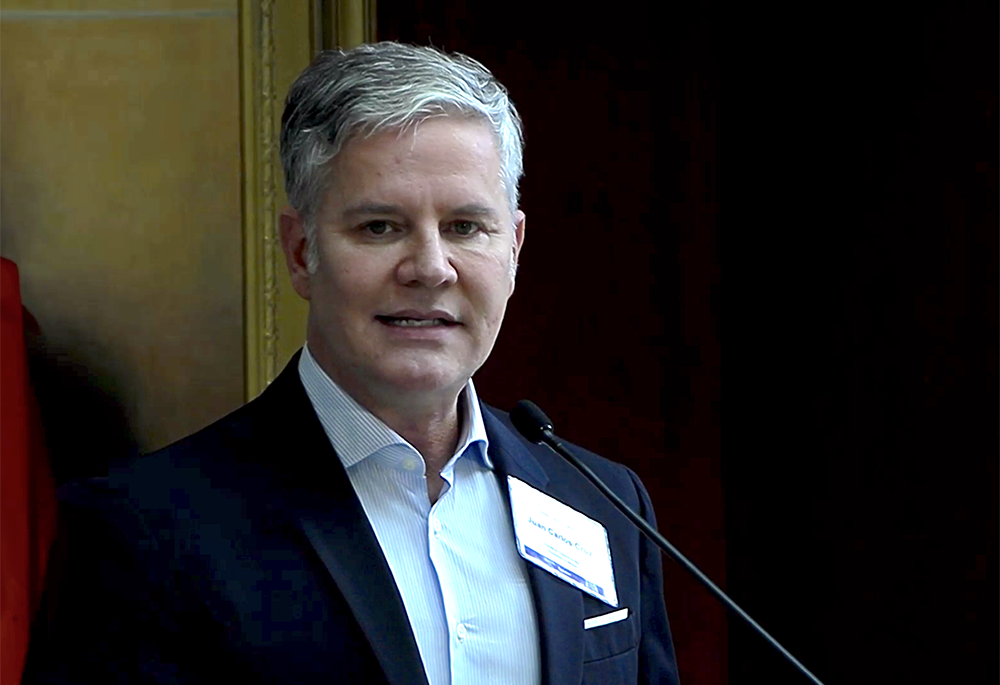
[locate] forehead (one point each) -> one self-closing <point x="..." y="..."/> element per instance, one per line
<point x="441" y="159"/>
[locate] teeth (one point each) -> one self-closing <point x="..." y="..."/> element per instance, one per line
<point x="416" y="322"/>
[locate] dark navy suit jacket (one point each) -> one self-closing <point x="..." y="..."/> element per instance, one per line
<point x="241" y="554"/>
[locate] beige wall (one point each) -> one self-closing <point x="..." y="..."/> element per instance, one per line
<point x="120" y="201"/>
<point x="139" y="191"/>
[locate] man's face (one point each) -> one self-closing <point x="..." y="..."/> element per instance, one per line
<point x="416" y="248"/>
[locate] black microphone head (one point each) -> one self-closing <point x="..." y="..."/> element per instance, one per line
<point x="530" y="420"/>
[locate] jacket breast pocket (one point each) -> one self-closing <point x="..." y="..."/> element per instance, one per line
<point x="603" y="641"/>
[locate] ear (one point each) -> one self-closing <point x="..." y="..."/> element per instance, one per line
<point x="518" y="243"/>
<point x="295" y="246"/>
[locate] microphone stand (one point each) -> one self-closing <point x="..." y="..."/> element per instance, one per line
<point x="540" y="431"/>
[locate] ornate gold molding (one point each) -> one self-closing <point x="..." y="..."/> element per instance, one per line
<point x="277" y="40"/>
<point x="342" y="23"/>
<point x="268" y="227"/>
<point x="353" y="22"/>
<point x="260" y="286"/>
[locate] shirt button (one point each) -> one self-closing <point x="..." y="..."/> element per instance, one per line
<point x="436" y="524"/>
<point x="461" y="632"/>
<point x="409" y="463"/>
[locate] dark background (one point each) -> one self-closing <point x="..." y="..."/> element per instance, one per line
<point x="815" y="193"/>
<point x="612" y="328"/>
<point x="861" y="344"/>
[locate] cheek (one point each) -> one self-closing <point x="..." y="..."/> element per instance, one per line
<point x="495" y="286"/>
<point x="341" y="294"/>
<point x="350" y="274"/>
<point x="502" y="264"/>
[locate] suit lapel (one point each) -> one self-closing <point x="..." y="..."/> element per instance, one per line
<point x="338" y="530"/>
<point x="343" y="539"/>
<point x="558" y="605"/>
<point x="334" y="522"/>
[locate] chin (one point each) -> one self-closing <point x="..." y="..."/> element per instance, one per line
<point x="426" y="380"/>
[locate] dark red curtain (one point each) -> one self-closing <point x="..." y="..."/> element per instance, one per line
<point x="612" y="327"/>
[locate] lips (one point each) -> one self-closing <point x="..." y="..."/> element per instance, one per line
<point x="411" y="319"/>
<point x="413" y="323"/>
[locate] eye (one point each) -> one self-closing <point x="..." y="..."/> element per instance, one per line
<point x="377" y="227"/>
<point x="465" y="227"/>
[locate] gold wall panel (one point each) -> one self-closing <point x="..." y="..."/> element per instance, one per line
<point x="279" y="39"/>
<point x="277" y="45"/>
<point x="139" y="192"/>
<point x="353" y="22"/>
<point x="293" y="52"/>
<point x="120" y="200"/>
<point x="95" y="8"/>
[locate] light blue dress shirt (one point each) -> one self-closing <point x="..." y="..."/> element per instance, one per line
<point x="464" y="586"/>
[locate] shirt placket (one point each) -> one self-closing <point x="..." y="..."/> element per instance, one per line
<point x="440" y="536"/>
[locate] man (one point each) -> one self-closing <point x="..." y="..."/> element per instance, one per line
<point x="367" y="519"/>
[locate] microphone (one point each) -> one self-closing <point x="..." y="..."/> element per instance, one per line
<point x="535" y="426"/>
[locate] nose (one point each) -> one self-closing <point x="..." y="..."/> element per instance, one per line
<point x="426" y="261"/>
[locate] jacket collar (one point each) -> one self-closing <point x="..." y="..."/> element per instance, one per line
<point x="330" y="515"/>
<point x="336" y="526"/>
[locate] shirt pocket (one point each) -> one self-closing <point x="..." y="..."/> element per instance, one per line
<point x="608" y="640"/>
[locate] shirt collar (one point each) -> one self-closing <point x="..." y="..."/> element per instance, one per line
<point x="355" y="433"/>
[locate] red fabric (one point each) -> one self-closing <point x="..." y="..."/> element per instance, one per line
<point x="27" y="490"/>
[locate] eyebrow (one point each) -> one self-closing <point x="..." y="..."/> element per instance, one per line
<point x="475" y="210"/>
<point x="365" y="208"/>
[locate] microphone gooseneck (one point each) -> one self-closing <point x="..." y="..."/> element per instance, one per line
<point x="534" y="425"/>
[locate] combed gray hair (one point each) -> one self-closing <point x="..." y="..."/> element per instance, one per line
<point x="378" y="87"/>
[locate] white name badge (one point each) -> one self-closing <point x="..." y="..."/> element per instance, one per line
<point x="561" y="540"/>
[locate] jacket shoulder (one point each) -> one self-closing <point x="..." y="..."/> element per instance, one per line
<point x="566" y="477"/>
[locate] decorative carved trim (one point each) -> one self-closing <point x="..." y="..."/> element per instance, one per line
<point x="260" y="285"/>
<point x="277" y="40"/>
<point x="371" y="21"/>
<point x="353" y="22"/>
<point x="267" y="218"/>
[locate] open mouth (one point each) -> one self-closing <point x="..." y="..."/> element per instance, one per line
<point x="406" y="322"/>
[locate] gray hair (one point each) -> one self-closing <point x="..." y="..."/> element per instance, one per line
<point x="378" y="87"/>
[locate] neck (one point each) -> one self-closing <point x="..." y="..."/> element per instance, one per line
<point x="434" y="434"/>
<point x="431" y="422"/>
